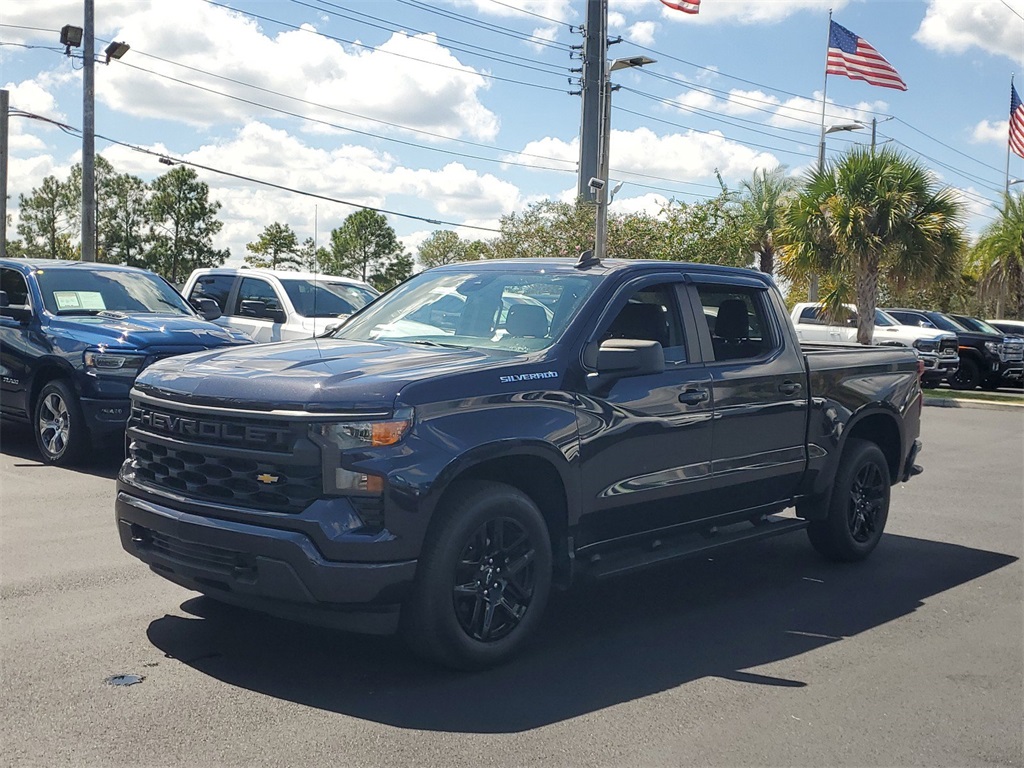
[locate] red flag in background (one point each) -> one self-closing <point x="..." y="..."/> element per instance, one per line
<point x="686" y="6"/>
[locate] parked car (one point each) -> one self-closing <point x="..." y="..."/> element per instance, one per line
<point x="1011" y="327"/>
<point x="278" y="305"/>
<point x="986" y="359"/>
<point x="74" y="335"/>
<point x="443" y="482"/>
<point x="937" y="349"/>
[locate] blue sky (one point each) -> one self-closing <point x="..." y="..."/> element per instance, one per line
<point x="458" y="110"/>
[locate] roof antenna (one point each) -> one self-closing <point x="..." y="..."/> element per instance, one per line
<point x="587" y="260"/>
<point x="316" y="212"/>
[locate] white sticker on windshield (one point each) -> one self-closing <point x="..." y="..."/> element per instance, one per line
<point x="79" y="300"/>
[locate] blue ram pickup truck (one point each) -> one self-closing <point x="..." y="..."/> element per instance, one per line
<point x="488" y="430"/>
<point x="73" y="337"/>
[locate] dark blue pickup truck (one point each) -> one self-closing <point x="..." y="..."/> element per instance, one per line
<point x="487" y="430"/>
<point x="73" y="337"/>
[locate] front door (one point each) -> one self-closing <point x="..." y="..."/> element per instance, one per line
<point x="645" y="441"/>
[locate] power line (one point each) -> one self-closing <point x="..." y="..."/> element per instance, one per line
<point x="469" y="20"/>
<point x="298" y="116"/>
<point x="532" y="13"/>
<point x="329" y="108"/>
<point x="947" y="146"/>
<point x="357" y="44"/>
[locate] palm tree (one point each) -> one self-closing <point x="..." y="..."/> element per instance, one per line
<point x="764" y="197"/>
<point x="867" y="212"/>
<point x="999" y="253"/>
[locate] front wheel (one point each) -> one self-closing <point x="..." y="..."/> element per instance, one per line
<point x="483" y="579"/>
<point x="967" y="376"/>
<point x="61" y="434"/>
<point x="858" y="507"/>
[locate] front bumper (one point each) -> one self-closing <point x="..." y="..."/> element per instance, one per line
<point x="277" y="571"/>
<point x="938" y="368"/>
<point x="105" y="417"/>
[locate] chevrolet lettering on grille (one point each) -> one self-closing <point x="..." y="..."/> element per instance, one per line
<point x="207" y="430"/>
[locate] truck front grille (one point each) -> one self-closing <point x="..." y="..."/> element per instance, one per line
<point x="256" y="483"/>
<point x="949" y="347"/>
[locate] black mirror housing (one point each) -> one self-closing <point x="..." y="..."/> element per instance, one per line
<point x="207" y="308"/>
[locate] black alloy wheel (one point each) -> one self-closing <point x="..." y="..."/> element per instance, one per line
<point x="867" y="496"/>
<point x="494" y="579"/>
<point x="967" y="376"/>
<point x="858" y="506"/>
<point x="482" y="580"/>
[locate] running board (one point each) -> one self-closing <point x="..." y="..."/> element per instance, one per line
<point x="658" y="551"/>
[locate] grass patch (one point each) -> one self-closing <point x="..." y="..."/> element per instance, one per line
<point x="979" y="395"/>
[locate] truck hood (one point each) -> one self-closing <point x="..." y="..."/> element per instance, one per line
<point x="146" y="331"/>
<point x="313" y="375"/>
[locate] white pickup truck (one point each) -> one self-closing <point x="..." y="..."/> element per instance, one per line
<point x="278" y="305"/>
<point x="938" y="350"/>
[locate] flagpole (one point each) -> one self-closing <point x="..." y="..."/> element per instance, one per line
<point x="812" y="287"/>
<point x="1006" y="189"/>
<point x="824" y="100"/>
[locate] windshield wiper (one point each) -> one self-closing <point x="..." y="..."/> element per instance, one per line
<point x="429" y="343"/>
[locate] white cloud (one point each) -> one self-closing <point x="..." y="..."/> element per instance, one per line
<point x="650" y="203"/>
<point x="957" y="26"/>
<point x="543" y="35"/>
<point x="643" y="32"/>
<point x="616" y="20"/>
<point x="562" y="10"/>
<point x="987" y="132"/>
<point x="408" y="79"/>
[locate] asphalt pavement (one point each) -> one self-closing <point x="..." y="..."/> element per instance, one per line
<point x="764" y="655"/>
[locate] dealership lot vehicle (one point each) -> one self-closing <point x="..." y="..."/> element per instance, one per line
<point x="444" y="481"/>
<point x="936" y="349"/>
<point x="1011" y="327"/>
<point x="74" y="335"/>
<point x="279" y="305"/>
<point x="986" y="359"/>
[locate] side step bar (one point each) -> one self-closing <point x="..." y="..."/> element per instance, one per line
<point x="615" y="562"/>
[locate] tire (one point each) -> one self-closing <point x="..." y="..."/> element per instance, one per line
<point x="491" y="534"/>
<point x="59" y="426"/>
<point x="991" y="385"/>
<point x="858" y="507"/>
<point x="967" y="376"/>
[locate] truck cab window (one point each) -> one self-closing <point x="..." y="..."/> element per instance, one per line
<point x="13" y="284"/>
<point x="652" y="314"/>
<point x="737" y="321"/>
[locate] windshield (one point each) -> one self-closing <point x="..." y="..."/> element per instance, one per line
<point x="974" y="324"/>
<point x="76" y="291"/>
<point x="517" y="312"/>
<point x="324" y="298"/>
<point x="946" y="323"/>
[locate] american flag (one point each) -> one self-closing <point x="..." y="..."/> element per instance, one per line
<point x="1016" y="122"/>
<point x="686" y="6"/>
<point x="854" y="57"/>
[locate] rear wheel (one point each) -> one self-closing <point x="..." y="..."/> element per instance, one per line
<point x="60" y="430"/>
<point x="967" y="376"/>
<point x="483" y="579"/>
<point x="858" y="507"/>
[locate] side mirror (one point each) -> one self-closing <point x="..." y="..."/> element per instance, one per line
<point x="207" y="308"/>
<point x="20" y="314"/>
<point x="619" y="358"/>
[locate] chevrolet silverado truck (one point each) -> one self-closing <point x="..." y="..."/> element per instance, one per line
<point x="73" y="336"/>
<point x="575" y="420"/>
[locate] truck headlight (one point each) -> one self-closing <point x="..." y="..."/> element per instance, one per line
<point x="113" y="363"/>
<point x="994" y="347"/>
<point x="926" y="345"/>
<point x="336" y="438"/>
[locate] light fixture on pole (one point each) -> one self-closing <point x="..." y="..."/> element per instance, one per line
<point x="70" y="37"/>
<point x="601" y="186"/>
<point x="116" y="50"/>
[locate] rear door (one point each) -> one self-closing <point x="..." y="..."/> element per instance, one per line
<point x="759" y="386"/>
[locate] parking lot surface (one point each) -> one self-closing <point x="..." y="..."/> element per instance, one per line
<point x="765" y="655"/>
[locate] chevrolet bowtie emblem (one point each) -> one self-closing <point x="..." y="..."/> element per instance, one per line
<point x="267" y="479"/>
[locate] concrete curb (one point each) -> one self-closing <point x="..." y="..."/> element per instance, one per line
<point x="944" y="402"/>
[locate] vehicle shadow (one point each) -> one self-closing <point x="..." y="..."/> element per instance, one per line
<point x="18" y="441"/>
<point x="600" y="645"/>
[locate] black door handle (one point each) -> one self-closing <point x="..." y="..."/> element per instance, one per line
<point x="693" y="396"/>
<point x="789" y="387"/>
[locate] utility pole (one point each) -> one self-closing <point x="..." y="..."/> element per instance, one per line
<point x="89" y="136"/>
<point x="595" y="48"/>
<point x="5" y="101"/>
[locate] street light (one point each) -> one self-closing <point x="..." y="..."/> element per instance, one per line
<point x="600" y="184"/>
<point x="116" y="50"/>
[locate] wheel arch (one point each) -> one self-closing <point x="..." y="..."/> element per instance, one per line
<point x="882" y="428"/>
<point x="46" y="371"/>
